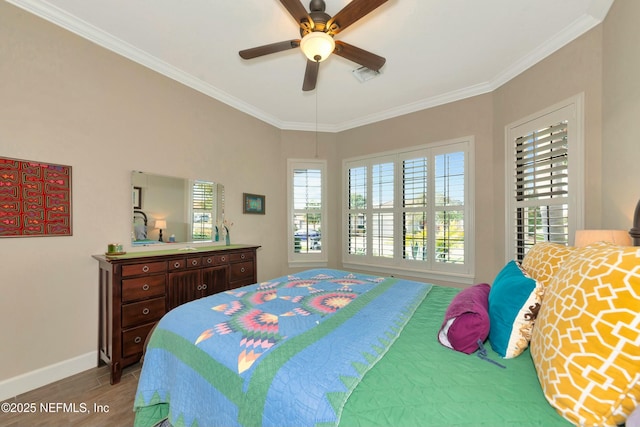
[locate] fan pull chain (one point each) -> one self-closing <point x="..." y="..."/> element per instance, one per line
<point x="316" y="123"/>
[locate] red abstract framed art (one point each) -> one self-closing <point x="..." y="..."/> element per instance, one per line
<point x="35" y="198"/>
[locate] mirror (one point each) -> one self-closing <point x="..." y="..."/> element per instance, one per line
<point x="168" y="209"/>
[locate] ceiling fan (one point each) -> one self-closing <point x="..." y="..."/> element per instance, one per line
<point x="317" y="29"/>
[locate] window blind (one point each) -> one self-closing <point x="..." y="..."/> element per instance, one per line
<point x="541" y="187"/>
<point x="307" y="210"/>
<point x="357" y="226"/>
<point x="449" y="207"/>
<point x="202" y="197"/>
<point x="382" y="197"/>
<point x="415" y="201"/>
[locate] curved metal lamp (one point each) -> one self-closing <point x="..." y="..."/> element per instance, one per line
<point x="635" y="231"/>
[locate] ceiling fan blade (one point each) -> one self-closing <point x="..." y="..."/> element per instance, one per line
<point x="297" y="10"/>
<point x="351" y="13"/>
<point x="255" y="52"/>
<point x="310" y="75"/>
<point x="359" y="56"/>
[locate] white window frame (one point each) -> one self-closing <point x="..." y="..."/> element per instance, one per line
<point x="461" y="273"/>
<point x="319" y="259"/>
<point x="571" y="110"/>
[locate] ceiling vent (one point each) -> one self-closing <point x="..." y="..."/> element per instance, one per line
<point x="364" y="74"/>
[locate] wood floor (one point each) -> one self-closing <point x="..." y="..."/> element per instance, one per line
<point x="85" y="399"/>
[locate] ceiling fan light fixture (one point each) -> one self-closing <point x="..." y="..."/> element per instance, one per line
<point x="317" y="46"/>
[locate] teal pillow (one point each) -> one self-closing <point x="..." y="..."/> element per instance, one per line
<point x="514" y="301"/>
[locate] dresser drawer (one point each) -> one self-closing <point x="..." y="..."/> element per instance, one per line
<point x="220" y="259"/>
<point x="133" y="339"/>
<point x="177" y="264"/>
<point x="242" y="256"/>
<point x="241" y="271"/>
<point x="210" y="260"/>
<point x="146" y="268"/>
<point x="137" y="313"/>
<point x="194" y="262"/>
<point x="143" y="287"/>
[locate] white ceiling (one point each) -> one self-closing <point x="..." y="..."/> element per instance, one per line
<point x="437" y="51"/>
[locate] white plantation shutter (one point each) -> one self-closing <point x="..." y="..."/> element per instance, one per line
<point x="307" y="212"/>
<point x="357" y="210"/>
<point x="415" y="201"/>
<point x="541" y="164"/>
<point x="382" y="177"/>
<point x="544" y="189"/>
<point x="449" y="207"/>
<point x="541" y="187"/>
<point x="408" y="209"/>
<point x="307" y="208"/>
<point x="202" y="199"/>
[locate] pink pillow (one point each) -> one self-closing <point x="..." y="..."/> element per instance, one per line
<point x="467" y="319"/>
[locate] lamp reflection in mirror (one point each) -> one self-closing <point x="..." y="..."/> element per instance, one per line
<point x="618" y="237"/>
<point x="161" y="224"/>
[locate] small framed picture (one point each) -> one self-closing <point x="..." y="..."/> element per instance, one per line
<point x="137" y="198"/>
<point x="253" y="204"/>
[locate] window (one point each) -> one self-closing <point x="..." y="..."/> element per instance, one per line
<point x="544" y="183"/>
<point x="203" y="194"/>
<point x="307" y="212"/>
<point x="411" y="210"/>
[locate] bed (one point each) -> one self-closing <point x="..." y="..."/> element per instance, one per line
<point x="328" y="347"/>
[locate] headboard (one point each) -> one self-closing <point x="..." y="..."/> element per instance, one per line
<point x="139" y="230"/>
<point x="635" y="231"/>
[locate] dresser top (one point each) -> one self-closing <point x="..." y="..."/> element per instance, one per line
<point x="170" y="252"/>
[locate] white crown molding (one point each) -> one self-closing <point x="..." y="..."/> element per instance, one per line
<point x="413" y="107"/>
<point x="599" y="9"/>
<point x="87" y="31"/>
<point x="568" y="34"/>
<point x="597" y="13"/>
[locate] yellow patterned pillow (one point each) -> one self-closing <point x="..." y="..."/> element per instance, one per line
<point x="543" y="259"/>
<point x="586" y="340"/>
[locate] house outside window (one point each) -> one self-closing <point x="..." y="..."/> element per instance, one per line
<point x="545" y="175"/>
<point x="306" y="184"/>
<point x="411" y="210"/>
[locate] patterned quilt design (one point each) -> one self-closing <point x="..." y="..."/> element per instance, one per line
<point x="283" y="352"/>
<point x="260" y="330"/>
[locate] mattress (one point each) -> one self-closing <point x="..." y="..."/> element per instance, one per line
<point x="407" y="378"/>
<point x="419" y="382"/>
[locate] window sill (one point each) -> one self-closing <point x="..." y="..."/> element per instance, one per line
<point x="463" y="279"/>
<point x="307" y="264"/>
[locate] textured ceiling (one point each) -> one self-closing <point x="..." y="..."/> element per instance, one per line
<point x="437" y="51"/>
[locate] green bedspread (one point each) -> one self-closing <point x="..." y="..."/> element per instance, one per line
<point x="419" y="382"/>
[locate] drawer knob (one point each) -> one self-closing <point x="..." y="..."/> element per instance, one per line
<point x="145" y="311"/>
<point x="137" y="340"/>
<point x="204" y="286"/>
<point x="242" y="270"/>
<point x="176" y="264"/>
<point x="223" y="258"/>
<point x="242" y="256"/>
<point x="209" y="260"/>
<point x="199" y="287"/>
<point x="145" y="269"/>
<point x="145" y="287"/>
<point x="194" y="262"/>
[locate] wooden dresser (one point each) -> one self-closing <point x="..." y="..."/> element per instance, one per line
<point x="137" y="289"/>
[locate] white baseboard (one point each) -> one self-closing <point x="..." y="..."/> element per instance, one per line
<point x="32" y="380"/>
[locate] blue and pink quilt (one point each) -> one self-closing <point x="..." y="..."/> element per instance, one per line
<point x="287" y="352"/>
